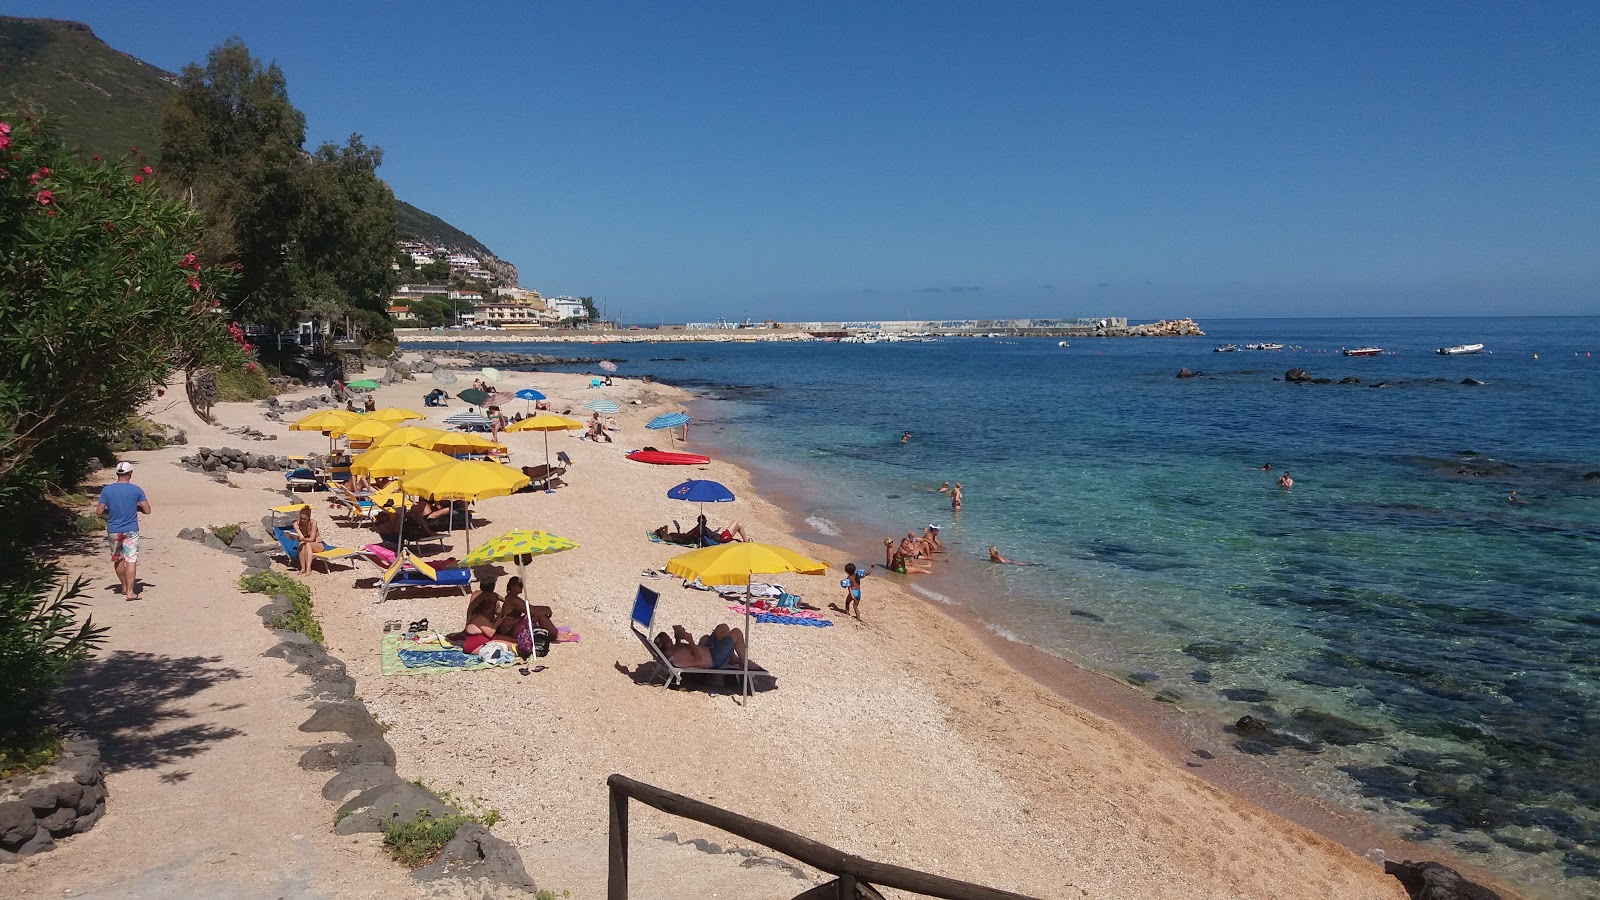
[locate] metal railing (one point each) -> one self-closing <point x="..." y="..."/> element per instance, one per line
<point x="855" y="876"/>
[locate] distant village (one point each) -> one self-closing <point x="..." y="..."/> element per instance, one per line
<point x="457" y="288"/>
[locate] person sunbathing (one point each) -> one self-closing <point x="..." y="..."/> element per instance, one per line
<point x="930" y="540"/>
<point x="896" y="561"/>
<point x="310" y="537"/>
<point x="515" y="610"/>
<point x="910" y="547"/>
<point x="723" y="648"/>
<point x="483" y="616"/>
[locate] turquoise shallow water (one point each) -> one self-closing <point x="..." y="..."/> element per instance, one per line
<point x="1415" y="646"/>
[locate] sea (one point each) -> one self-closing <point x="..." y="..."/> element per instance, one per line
<point x="1410" y="633"/>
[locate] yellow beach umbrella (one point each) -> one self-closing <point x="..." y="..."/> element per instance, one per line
<point x="464" y="442"/>
<point x="364" y="430"/>
<point x="460" y="480"/>
<point x="394" y="414"/>
<point x="409" y="435"/>
<point x="325" y="421"/>
<point x="392" y="462"/>
<point x="545" y="424"/>
<point x="522" y="546"/>
<point x="735" y="564"/>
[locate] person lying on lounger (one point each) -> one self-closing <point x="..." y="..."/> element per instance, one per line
<point x="721" y="649"/>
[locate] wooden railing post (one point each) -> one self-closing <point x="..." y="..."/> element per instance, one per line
<point x="617" y="870"/>
<point x="847" y="886"/>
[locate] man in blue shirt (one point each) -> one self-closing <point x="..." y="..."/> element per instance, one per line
<point x="121" y="502"/>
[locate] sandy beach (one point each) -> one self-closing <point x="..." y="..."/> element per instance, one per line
<point x="906" y="739"/>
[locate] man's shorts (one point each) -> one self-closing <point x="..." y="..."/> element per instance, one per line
<point x="124" y="545"/>
<point x="721" y="651"/>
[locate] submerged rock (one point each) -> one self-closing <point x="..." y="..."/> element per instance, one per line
<point x="1297" y="376"/>
<point x="1432" y="881"/>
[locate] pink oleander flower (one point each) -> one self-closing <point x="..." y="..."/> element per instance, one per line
<point x="34" y="178"/>
<point x="147" y="170"/>
<point x="44" y="170"/>
<point x="138" y="179"/>
<point x="194" y="283"/>
<point x="45" y="197"/>
<point x="189" y="262"/>
<point x="111" y="226"/>
<point x="4" y="142"/>
<point x="250" y="367"/>
<point x="97" y="159"/>
<point x="5" y="128"/>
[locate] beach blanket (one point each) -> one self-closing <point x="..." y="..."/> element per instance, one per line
<point x="775" y="619"/>
<point x="404" y="656"/>
<point x="761" y="606"/>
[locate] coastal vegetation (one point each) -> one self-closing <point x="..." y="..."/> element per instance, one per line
<point x="103" y="297"/>
<point x="300" y="616"/>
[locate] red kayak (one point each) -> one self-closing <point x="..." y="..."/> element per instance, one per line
<point x="663" y="458"/>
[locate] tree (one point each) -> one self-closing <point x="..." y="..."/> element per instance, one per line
<point x="436" y="272"/>
<point x="346" y="237"/>
<point x="103" y="296"/>
<point x="589" y="311"/>
<point x="431" y="312"/>
<point x="231" y="141"/>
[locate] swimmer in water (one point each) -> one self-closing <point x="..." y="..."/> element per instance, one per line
<point x="1515" y="499"/>
<point x="1285" y="482"/>
<point x="944" y="488"/>
<point x="905" y="438"/>
<point x="1267" y="467"/>
<point x="994" y="556"/>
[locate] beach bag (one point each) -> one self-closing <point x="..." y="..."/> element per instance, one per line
<point x="532" y="641"/>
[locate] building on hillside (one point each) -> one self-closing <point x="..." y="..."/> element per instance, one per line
<point x="401" y="313"/>
<point x="568" y="308"/>
<point x="512" y="315"/>
<point x="420" y="291"/>
<point x="518" y="295"/>
<point x="478" y="275"/>
<point x="468" y="295"/>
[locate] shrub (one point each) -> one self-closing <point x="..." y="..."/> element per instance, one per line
<point x="28" y="750"/>
<point x="42" y="641"/>
<point x="417" y="841"/>
<point x="237" y="385"/>
<point x="226" y="533"/>
<point x="300" y="617"/>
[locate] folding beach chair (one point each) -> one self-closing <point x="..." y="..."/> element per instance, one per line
<point x="410" y="572"/>
<point x="291" y="547"/>
<point x="644" y="613"/>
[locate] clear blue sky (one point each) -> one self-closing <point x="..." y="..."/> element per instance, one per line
<point x="819" y="159"/>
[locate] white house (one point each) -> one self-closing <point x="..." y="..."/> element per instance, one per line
<point x="567" y="308"/>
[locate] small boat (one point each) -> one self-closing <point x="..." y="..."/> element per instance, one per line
<point x="1363" y="351"/>
<point x="1461" y="350"/>
<point x="1268" y="346"/>
<point x="1062" y="344"/>
<point x="1226" y="348"/>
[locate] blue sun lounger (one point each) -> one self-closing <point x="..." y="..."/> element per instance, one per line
<point x="410" y="572"/>
<point x="291" y="547"/>
<point x="644" y="613"/>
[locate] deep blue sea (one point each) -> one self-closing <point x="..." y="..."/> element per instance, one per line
<point x="1414" y="644"/>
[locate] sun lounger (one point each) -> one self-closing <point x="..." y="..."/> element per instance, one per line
<point x="291" y="547"/>
<point x="303" y="479"/>
<point x="644" y="613"/>
<point x="359" y="508"/>
<point x="410" y="572"/>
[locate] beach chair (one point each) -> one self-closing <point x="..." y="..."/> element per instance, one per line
<point x="364" y="509"/>
<point x="410" y="572"/>
<point x="291" y="547"/>
<point x="643" y="619"/>
<point x="303" y="479"/>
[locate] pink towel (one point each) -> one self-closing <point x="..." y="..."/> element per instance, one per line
<point x="381" y="553"/>
<point x="760" y="608"/>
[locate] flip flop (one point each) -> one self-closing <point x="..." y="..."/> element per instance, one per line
<point x="392" y="625"/>
<point x="418" y="626"/>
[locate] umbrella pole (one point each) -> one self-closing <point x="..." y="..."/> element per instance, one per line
<point x="744" y="657"/>
<point x="547" y="488"/>
<point x="527" y="609"/>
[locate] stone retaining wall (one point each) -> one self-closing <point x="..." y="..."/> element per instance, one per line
<point x="65" y="799"/>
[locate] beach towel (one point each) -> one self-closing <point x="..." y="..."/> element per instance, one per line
<point x="402" y="656"/>
<point x="775" y="619"/>
<point x="758" y="609"/>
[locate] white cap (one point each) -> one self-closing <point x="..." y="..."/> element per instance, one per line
<point x="124" y="468"/>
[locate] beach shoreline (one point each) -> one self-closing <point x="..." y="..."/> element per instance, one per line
<point x="1168" y="729"/>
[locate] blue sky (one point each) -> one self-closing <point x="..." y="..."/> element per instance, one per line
<point x="823" y="160"/>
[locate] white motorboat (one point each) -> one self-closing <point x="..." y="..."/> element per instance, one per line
<point x="1226" y="348"/>
<point x="1461" y="350"/>
<point x="1267" y="346"/>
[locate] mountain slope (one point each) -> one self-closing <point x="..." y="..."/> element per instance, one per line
<point x="107" y="102"/>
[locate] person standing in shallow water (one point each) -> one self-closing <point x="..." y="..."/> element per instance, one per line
<point x="955" y="498"/>
<point x="1285" y="482"/>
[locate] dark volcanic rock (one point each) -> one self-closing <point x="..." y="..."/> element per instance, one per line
<point x="1432" y="881"/>
<point x="1349" y="379"/>
<point x="1187" y="373"/>
<point x="1297" y="376"/>
<point x="1471" y="382"/>
<point x="1210" y="652"/>
<point x="1331" y="729"/>
<point x="475" y="854"/>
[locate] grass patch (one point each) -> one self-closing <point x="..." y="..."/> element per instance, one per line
<point x="235" y="385"/>
<point x="28" y="751"/>
<point x="417" y="841"/>
<point x="543" y="894"/>
<point x="87" y="524"/>
<point x="300" y="617"/>
<point x="226" y="533"/>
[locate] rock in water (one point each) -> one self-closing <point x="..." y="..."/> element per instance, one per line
<point x="1471" y="382"/>
<point x="1297" y="376"/>
<point x="1187" y="373"/>
<point x="1432" y="881"/>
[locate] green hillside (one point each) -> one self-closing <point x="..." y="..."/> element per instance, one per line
<point x="413" y="224"/>
<point x="107" y="102"/>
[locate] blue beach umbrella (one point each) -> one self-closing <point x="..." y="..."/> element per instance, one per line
<point x="702" y="491"/>
<point x="669" y="421"/>
<point x="603" y="406"/>
<point x="529" y="394"/>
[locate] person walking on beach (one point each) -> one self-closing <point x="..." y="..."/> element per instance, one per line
<point x="121" y="502"/>
<point x="852" y="586"/>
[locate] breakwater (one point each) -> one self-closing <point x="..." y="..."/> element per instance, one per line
<point x="721" y="332"/>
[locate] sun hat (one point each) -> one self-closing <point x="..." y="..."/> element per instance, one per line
<point x="934" y="527"/>
<point x="123" y="468"/>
